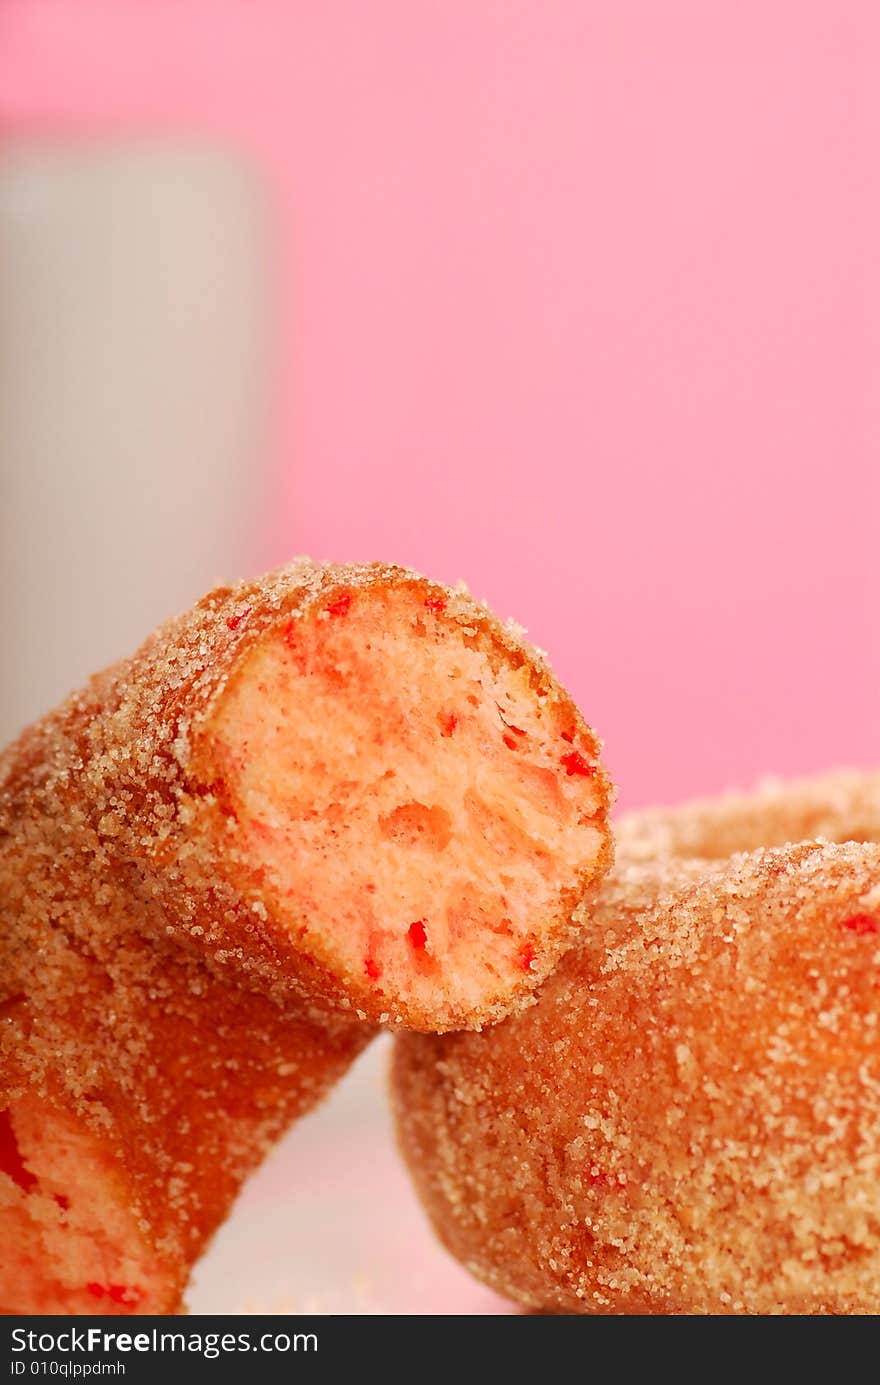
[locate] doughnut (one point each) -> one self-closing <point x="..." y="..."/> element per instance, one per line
<point x="688" y="1119"/>
<point x="837" y="807"/>
<point x="148" y="1089"/>
<point x="323" y="801"/>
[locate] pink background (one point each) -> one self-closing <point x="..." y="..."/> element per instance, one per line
<point x="581" y="302"/>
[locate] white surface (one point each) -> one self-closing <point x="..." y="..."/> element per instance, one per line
<point x="330" y="1223"/>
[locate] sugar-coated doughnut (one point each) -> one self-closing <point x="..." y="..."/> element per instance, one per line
<point x="141" y="1087"/>
<point x="838" y="807"/>
<point x="325" y="800"/>
<point x="688" y="1119"/>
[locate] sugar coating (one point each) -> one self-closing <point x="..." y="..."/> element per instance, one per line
<point x="164" y="1013"/>
<point x="140" y="1089"/>
<point x="842" y="806"/>
<point x="123" y="779"/>
<point x="688" y="1119"/>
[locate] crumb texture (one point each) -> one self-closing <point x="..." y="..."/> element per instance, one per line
<point x="413" y="801"/>
<point x="688" y="1120"/>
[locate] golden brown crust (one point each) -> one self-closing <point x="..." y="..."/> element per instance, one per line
<point x="841" y="806"/>
<point x="181" y="1081"/>
<point x="115" y="785"/>
<point x="688" y="1120"/>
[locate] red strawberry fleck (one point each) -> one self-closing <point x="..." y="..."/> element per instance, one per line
<point x="63" y="1202"/>
<point x="568" y="735"/>
<point x="373" y="970"/>
<point x="418" y="935"/>
<point x="121" y="1293"/>
<point x="448" y="722"/>
<point x="233" y="622"/>
<point x="289" y="634"/>
<point x="11" y="1162"/>
<point x="861" y="925"/>
<point x="435" y="603"/>
<point x="339" y="605"/>
<point x="511" y="731"/>
<point x="526" y="957"/>
<point x="576" y="764"/>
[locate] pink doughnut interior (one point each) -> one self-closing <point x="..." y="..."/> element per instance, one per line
<point x="414" y="803"/>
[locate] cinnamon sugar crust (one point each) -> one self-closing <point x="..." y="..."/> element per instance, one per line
<point x="139" y="1089"/>
<point x="688" y="1119"/>
<point x="131" y="783"/>
<point x="841" y="806"/>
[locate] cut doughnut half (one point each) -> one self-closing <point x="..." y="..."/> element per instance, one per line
<point x="73" y="1241"/>
<point x="417" y="804"/>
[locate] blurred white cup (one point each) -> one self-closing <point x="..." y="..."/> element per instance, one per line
<point x="133" y="399"/>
